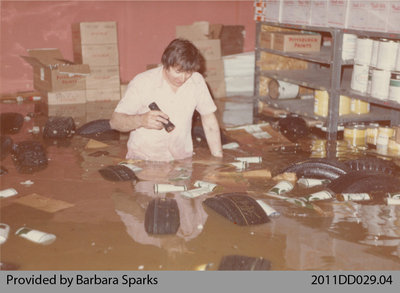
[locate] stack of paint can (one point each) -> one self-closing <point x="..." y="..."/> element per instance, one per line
<point x="376" y="70"/>
<point x="385" y="133"/>
<point x="355" y="135"/>
<point x="321" y="104"/>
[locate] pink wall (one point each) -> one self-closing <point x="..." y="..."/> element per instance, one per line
<point x="144" y="29"/>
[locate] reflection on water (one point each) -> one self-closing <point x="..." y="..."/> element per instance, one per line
<point x="104" y="227"/>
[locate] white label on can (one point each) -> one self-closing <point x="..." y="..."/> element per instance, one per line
<point x="355" y="196"/>
<point x="387" y="55"/>
<point x="36" y="236"/>
<point x="394" y="90"/>
<point x="363" y="51"/>
<point x="321" y="195"/>
<point x="311" y="182"/>
<point x="380" y="83"/>
<point x="270" y="211"/>
<point x="359" y="78"/>
<point x="205" y="184"/>
<point x="281" y="187"/>
<point x="249" y="159"/>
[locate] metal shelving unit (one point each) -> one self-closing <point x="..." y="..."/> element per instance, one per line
<point x="325" y="74"/>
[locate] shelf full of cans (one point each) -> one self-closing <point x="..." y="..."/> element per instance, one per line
<point x="376" y="70"/>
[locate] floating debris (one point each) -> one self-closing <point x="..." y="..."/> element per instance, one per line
<point x="393" y="198"/>
<point x="4" y="230"/>
<point x="281" y="187"/>
<point x="8" y="192"/>
<point x="249" y="159"/>
<point x="261" y="173"/>
<point x="57" y="127"/>
<point x="270" y="211"/>
<point x="6" y="144"/>
<point x="193" y="193"/>
<point x="161" y="187"/>
<point x="42" y="203"/>
<point x="230" y="146"/>
<point x="320" y="195"/>
<point x="10" y="122"/>
<point x="210" y="186"/>
<point x="27" y="183"/>
<point x="312" y="182"/>
<point x="99" y="154"/>
<point x="29" y="156"/>
<point x="162" y="216"/>
<point x="36" y="236"/>
<point x="353" y="196"/>
<point x="94" y="144"/>
<point x="240" y="166"/>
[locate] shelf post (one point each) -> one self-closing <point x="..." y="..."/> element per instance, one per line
<point x="335" y="78"/>
<point x="256" y="73"/>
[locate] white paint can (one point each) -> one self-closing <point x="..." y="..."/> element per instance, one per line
<point x="278" y="89"/>
<point x="359" y="78"/>
<point x="387" y="54"/>
<point x="374" y="55"/>
<point x="363" y="51"/>
<point x="394" y="87"/>
<point x="397" y="67"/>
<point x="380" y="83"/>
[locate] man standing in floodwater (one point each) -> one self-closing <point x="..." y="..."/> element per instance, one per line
<point x="178" y="89"/>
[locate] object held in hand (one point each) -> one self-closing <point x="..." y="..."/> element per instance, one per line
<point x="168" y="126"/>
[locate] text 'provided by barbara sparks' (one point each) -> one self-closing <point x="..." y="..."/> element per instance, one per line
<point x="80" y="280"/>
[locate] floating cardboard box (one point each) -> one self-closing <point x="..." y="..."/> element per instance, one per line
<point x="51" y="72"/>
<point x="43" y="203"/>
<point x="103" y="77"/>
<point x="296" y="42"/>
<point x="90" y="33"/>
<point x="96" y="55"/>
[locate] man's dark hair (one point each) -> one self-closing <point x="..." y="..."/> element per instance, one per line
<point x="183" y="54"/>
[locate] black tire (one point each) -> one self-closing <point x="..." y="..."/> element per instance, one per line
<point x="98" y="129"/>
<point x="59" y="127"/>
<point x="360" y="182"/>
<point x="372" y="165"/>
<point x="318" y="168"/>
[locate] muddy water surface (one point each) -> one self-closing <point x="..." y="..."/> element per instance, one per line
<point x="104" y="229"/>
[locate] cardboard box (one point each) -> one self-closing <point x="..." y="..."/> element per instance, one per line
<point x="51" y="72"/>
<point x="296" y="12"/>
<point x="319" y="13"/>
<point x="97" y="55"/>
<point x="368" y="15"/>
<point x="297" y="42"/>
<point x="338" y="15"/>
<point x="266" y="39"/>
<point x="109" y="94"/>
<point x="200" y="30"/>
<point x="232" y="39"/>
<point x="92" y="33"/>
<point x="393" y="19"/>
<point x="214" y="70"/>
<point x="65" y="97"/>
<point x="103" y="77"/>
<point x="210" y="49"/>
<point x="217" y="88"/>
<point x="76" y="111"/>
<point x="273" y="11"/>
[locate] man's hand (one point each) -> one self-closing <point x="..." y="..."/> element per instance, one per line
<point x="154" y="119"/>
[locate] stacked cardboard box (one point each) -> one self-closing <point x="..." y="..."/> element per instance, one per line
<point x="205" y="37"/>
<point x="59" y="81"/>
<point x="95" y="43"/>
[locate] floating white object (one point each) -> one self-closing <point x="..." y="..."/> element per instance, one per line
<point x="8" y="192"/>
<point x="36" y="235"/>
<point x="4" y="230"/>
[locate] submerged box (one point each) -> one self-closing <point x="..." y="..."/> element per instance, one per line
<point x="51" y="72"/>
<point x="65" y="97"/>
<point x="296" y="42"/>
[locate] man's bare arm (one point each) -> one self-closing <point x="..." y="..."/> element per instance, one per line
<point x="213" y="135"/>
<point x="151" y="119"/>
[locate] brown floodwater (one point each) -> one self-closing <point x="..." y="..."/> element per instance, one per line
<point x="103" y="227"/>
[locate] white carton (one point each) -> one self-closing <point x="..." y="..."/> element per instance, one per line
<point x="319" y="13"/>
<point x="338" y="13"/>
<point x="393" y="19"/>
<point x="273" y="11"/>
<point x="296" y="12"/>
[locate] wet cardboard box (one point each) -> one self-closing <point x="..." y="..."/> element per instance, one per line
<point x="296" y="42"/>
<point x="52" y="73"/>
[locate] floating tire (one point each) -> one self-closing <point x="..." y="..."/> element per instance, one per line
<point x="98" y="129"/>
<point x="162" y="216"/>
<point x="318" y="168"/>
<point x="118" y="173"/>
<point x="29" y="156"/>
<point x="364" y="182"/>
<point x="59" y="127"/>
<point x="238" y="208"/>
<point x="244" y="263"/>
